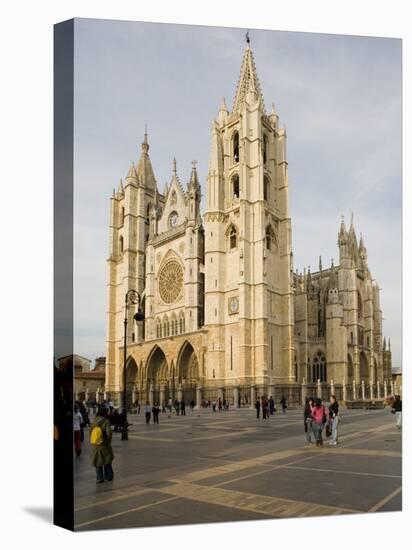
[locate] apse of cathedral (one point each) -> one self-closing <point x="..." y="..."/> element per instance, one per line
<point x="225" y="315"/>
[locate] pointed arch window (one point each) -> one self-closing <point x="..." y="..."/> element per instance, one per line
<point x="236" y="147"/>
<point x="266" y="188"/>
<point x="149" y="206"/>
<point x="233" y="237"/>
<point x="265" y="148"/>
<point x="235" y="186"/>
<point x="122" y="216"/>
<point x="319" y="368"/>
<point x="121" y="243"/>
<point x="268" y="238"/>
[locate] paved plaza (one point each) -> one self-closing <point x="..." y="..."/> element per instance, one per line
<point x="210" y="467"/>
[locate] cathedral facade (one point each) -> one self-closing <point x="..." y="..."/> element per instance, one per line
<point x="225" y="314"/>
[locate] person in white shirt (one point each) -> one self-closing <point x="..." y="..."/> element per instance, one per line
<point x="77" y="422"/>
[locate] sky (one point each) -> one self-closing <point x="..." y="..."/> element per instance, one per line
<point x="339" y="98"/>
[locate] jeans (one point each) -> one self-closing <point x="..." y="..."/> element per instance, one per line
<point x="104" y="472"/>
<point x="317" y="431"/>
<point x="335" y="424"/>
<point x="398" y="415"/>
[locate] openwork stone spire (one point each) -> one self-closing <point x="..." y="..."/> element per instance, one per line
<point x="248" y="81"/>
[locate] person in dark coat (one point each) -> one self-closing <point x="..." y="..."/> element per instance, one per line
<point x="271" y="405"/>
<point x="155" y="411"/>
<point x="334" y="419"/>
<point x="102" y="455"/>
<point x="283" y="404"/>
<point x="183" y="407"/>
<point x="257" y="407"/>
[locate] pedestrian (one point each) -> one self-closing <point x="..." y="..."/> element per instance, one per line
<point x="77" y="422"/>
<point x="257" y="407"/>
<point x="264" y="407"/>
<point x="170" y="404"/>
<point x="147" y="412"/>
<point x="192" y="404"/>
<point x="219" y="404"/>
<point x="155" y="411"/>
<point x="307" y="419"/>
<point x="214" y="405"/>
<point x="283" y="404"/>
<point x="183" y="407"/>
<point x="397" y="410"/>
<point x="334" y="419"/>
<point x="102" y="452"/>
<point x="271" y="405"/>
<point x="319" y="419"/>
<point x="177" y="407"/>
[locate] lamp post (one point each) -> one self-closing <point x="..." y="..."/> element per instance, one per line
<point x="134" y="298"/>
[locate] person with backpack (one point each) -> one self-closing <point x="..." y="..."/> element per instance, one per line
<point x="102" y="452"/>
<point x="319" y="419"/>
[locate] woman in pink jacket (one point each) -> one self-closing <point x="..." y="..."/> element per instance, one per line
<point x="318" y="421"/>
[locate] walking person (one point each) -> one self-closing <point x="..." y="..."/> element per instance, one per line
<point x="264" y="407"/>
<point x="155" y="411"/>
<point x="219" y="404"/>
<point x="257" y="407"/>
<point x="102" y="452"/>
<point x="183" y="407"/>
<point x="147" y="412"/>
<point x="77" y="430"/>
<point x="214" y="405"/>
<point x="319" y="419"/>
<point x="283" y="404"/>
<point x="334" y="419"/>
<point x="271" y="405"/>
<point x="397" y="410"/>
<point x="307" y="419"/>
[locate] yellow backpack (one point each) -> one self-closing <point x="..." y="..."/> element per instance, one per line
<point x="96" y="436"/>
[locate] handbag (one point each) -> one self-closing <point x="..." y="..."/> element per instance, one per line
<point x="328" y="430"/>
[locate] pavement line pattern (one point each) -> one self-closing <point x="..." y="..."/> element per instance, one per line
<point x="118" y="495"/>
<point x="360" y="452"/>
<point x="235" y="466"/>
<point x="262" y="504"/>
<point x="382" y="502"/>
<point x="315" y="469"/>
<point x="110" y="516"/>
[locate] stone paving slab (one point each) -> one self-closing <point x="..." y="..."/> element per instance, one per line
<point x="231" y="467"/>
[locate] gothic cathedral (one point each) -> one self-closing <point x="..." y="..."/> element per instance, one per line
<point x="225" y="315"/>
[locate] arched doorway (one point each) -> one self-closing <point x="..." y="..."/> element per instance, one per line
<point x="188" y="371"/>
<point x="364" y="369"/>
<point x="157" y="374"/>
<point x="131" y="379"/>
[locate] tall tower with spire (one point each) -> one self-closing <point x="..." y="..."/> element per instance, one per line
<point x="129" y="231"/>
<point x="248" y="255"/>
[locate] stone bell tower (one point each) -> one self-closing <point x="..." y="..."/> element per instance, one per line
<point x="248" y="256"/>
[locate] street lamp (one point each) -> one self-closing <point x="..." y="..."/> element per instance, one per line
<point x="134" y="297"/>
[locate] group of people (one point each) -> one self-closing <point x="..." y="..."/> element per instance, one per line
<point x="316" y="418"/>
<point x="267" y="406"/>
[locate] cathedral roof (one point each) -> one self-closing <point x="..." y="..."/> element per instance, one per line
<point x="248" y="81"/>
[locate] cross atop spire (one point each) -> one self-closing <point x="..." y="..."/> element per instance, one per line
<point x="248" y="80"/>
